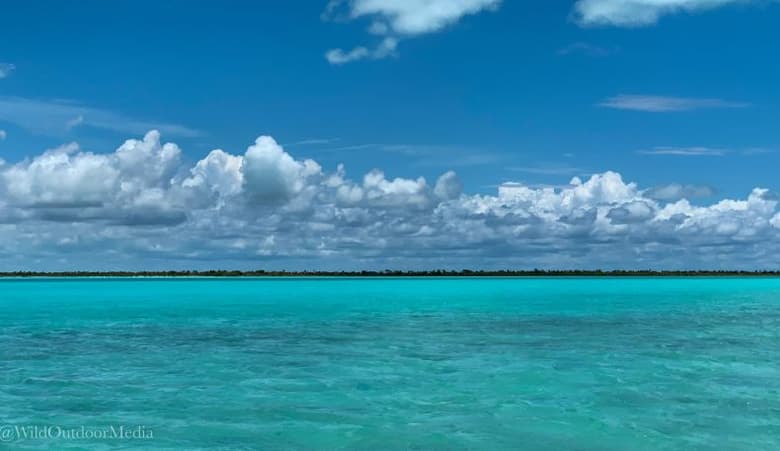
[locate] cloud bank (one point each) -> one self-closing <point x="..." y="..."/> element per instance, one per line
<point x="142" y="206"/>
<point x="394" y="20"/>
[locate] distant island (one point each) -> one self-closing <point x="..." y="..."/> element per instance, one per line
<point x="394" y="273"/>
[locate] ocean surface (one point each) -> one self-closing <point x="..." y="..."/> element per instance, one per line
<point x="331" y="363"/>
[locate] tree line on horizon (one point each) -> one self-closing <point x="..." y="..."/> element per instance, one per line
<point x="394" y="273"/>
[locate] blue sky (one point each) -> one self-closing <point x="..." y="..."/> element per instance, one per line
<point x="679" y="99"/>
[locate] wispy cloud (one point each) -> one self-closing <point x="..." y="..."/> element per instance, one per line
<point x="424" y="154"/>
<point x="75" y="122"/>
<point x="3" y="135"/>
<point x="702" y="151"/>
<point x="350" y="147"/>
<point x="6" y="69"/>
<point x="442" y="155"/>
<point x="312" y="142"/>
<point x="584" y="48"/>
<point x="394" y="20"/>
<point x="638" y="13"/>
<point x="676" y="191"/>
<point x="57" y="117"/>
<point x="340" y="56"/>
<point x="548" y="170"/>
<point x="664" y="104"/>
<point x="757" y="151"/>
<point x="386" y="48"/>
<point x="686" y="151"/>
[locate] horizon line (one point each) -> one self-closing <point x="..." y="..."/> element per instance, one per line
<point x="222" y="273"/>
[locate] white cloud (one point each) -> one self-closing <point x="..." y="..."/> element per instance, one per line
<point x="271" y="174"/>
<point x="6" y="69"/>
<point x="385" y="48"/>
<point x="636" y="13"/>
<point x="413" y="17"/>
<point x="131" y="185"/>
<point x="220" y="174"/>
<point x="61" y="177"/>
<point x="399" y="192"/>
<point x="663" y="104"/>
<point x="339" y="56"/>
<point x="56" y="118"/>
<point x="448" y="186"/>
<point x="3" y="135"/>
<point x="141" y="206"/>
<point x="400" y="19"/>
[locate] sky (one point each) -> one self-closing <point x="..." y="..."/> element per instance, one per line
<point x="389" y="134"/>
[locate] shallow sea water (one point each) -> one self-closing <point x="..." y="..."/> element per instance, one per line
<point x="332" y="363"/>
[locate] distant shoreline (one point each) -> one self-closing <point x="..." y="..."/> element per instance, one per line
<point x="384" y="274"/>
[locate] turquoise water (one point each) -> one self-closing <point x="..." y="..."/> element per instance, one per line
<point x="580" y="364"/>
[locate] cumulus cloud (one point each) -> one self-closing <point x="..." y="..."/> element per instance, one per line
<point x="398" y="192"/>
<point x="637" y="13"/>
<point x="448" y="186"/>
<point x="664" y="104"/>
<point x="69" y="184"/>
<point x="219" y="174"/>
<point x="271" y="174"/>
<point x="394" y="20"/>
<point x="143" y="206"/>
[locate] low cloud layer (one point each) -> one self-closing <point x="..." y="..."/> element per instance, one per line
<point x="142" y="206"/>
